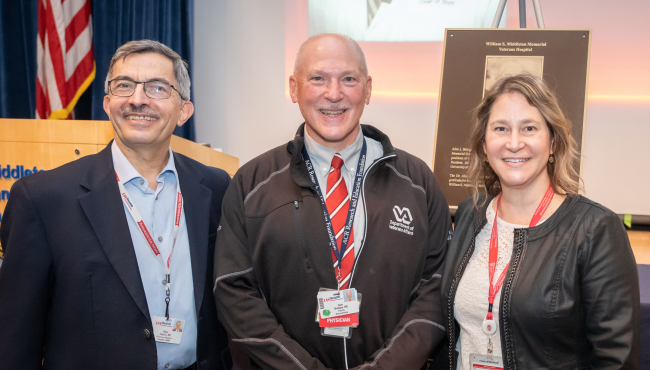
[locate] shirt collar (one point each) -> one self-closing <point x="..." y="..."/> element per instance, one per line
<point x="127" y="172"/>
<point x="323" y="155"/>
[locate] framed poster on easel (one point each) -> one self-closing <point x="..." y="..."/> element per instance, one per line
<point x="474" y="59"/>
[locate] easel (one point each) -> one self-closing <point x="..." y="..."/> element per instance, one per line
<point x="522" y="13"/>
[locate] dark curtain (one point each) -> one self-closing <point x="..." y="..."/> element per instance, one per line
<point x="18" y="29"/>
<point x="115" y="22"/>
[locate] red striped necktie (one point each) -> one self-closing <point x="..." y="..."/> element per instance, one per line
<point x="337" y="200"/>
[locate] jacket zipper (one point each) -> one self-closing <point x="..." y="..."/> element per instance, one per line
<point x="452" y="295"/>
<point x="301" y="235"/>
<point x="365" y="229"/>
<point x="365" y="213"/>
<point x="519" y="243"/>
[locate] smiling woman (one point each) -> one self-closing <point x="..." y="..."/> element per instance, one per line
<point x="560" y="267"/>
<point x="526" y="104"/>
<point x="518" y="143"/>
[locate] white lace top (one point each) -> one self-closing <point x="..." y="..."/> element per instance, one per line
<point x="471" y="302"/>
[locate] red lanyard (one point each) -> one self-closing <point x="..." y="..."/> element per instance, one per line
<point x="494" y="246"/>
<point x="144" y="230"/>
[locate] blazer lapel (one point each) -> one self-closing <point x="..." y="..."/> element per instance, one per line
<point x="197" y="200"/>
<point x="104" y="209"/>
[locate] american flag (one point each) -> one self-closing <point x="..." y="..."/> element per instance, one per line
<point x="65" y="58"/>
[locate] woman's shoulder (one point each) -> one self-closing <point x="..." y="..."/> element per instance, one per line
<point x="595" y="222"/>
<point x="470" y="214"/>
<point x="593" y="211"/>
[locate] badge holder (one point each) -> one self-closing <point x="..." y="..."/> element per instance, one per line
<point x="487" y="361"/>
<point x="337" y="332"/>
<point x="334" y="306"/>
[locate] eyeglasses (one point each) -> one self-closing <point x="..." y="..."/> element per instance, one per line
<point x="152" y="89"/>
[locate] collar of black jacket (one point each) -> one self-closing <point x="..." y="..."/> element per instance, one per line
<point x="299" y="169"/>
<point x="533" y="232"/>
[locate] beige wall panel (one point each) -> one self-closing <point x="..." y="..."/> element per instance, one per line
<point x="640" y="241"/>
<point x="44" y="155"/>
<point x="52" y="131"/>
<point x="205" y="155"/>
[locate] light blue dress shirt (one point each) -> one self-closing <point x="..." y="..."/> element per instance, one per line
<point x="322" y="158"/>
<point x="157" y="209"/>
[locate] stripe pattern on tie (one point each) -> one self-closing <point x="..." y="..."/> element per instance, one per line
<point x="337" y="201"/>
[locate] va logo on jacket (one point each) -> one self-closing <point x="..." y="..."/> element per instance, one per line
<point x="402" y="215"/>
<point x="403" y="219"/>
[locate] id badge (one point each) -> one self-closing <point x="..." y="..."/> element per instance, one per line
<point x="482" y="362"/>
<point x="338" y="308"/>
<point x="167" y="331"/>
<point x="337" y="331"/>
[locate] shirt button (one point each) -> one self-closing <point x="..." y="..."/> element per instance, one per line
<point x="160" y="238"/>
<point x="165" y="280"/>
<point x="166" y="366"/>
<point x="141" y="182"/>
<point x="146" y="334"/>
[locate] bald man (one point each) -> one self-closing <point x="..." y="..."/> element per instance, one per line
<point x="336" y="208"/>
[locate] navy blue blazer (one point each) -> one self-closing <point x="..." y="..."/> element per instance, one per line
<point x="71" y="296"/>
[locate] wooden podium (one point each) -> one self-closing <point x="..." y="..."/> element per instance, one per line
<point x="28" y="145"/>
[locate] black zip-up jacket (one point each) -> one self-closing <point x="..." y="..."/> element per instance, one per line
<point x="570" y="298"/>
<point x="273" y="255"/>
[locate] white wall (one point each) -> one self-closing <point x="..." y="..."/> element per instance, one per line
<point x="239" y="77"/>
<point x="616" y="165"/>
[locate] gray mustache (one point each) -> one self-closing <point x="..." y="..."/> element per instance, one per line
<point x="139" y="109"/>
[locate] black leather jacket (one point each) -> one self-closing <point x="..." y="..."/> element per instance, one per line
<point x="570" y="299"/>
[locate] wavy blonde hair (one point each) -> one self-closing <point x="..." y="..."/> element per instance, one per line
<point x="564" y="177"/>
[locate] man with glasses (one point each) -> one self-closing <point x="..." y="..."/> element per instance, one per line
<point x="104" y="256"/>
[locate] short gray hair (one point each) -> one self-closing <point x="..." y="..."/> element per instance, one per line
<point x="150" y="46"/>
<point x="349" y="40"/>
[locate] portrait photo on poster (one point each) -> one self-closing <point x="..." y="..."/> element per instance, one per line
<point x="499" y="66"/>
